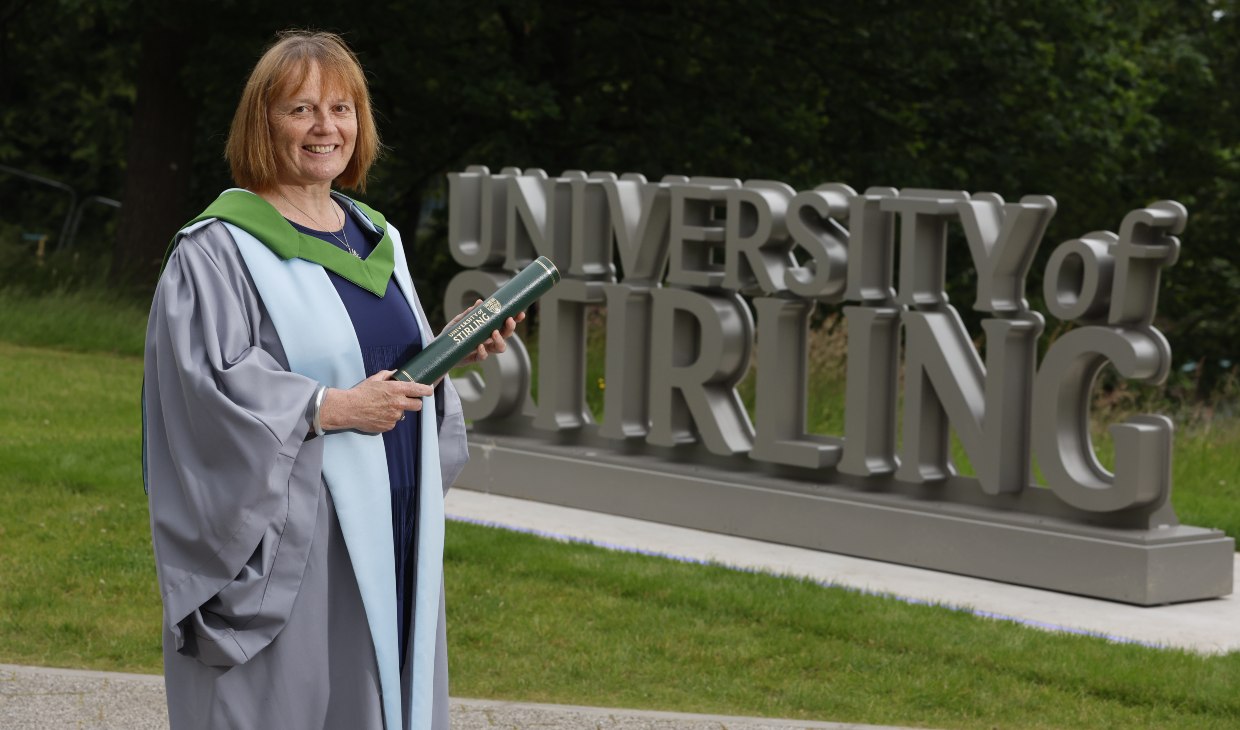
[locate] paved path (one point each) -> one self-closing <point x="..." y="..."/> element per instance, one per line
<point x="63" y="699"/>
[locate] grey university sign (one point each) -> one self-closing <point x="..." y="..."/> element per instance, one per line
<point x="675" y="444"/>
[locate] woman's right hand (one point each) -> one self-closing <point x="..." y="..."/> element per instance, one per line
<point x="374" y="405"/>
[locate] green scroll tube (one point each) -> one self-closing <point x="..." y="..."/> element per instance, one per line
<point x="445" y="351"/>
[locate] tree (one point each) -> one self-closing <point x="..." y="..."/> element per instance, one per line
<point x="66" y="93"/>
<point x="1105" y="105"/>
<point x="161" y="153"/>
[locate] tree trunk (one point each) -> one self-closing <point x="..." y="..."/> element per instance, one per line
<point x="160" y="159"/>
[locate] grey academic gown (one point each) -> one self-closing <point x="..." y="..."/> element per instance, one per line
<point x="264" y="625"/>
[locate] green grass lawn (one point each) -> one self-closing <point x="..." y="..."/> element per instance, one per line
<point x="76" y="577"/>
<point x="537" y="620"/>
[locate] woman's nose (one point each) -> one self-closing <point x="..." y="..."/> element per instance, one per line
<point x="323" y="119"/>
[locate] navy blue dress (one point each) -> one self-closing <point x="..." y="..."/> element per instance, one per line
<point x="388" y="334"/>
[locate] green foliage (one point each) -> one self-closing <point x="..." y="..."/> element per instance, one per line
<point x="66" y="96"/>
<point x="1105" y="105"/>
<point x="30" y="263"/>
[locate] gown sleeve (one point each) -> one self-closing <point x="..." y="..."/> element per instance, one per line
<point x="233" y="479"/>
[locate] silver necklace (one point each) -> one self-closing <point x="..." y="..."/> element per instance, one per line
<point x="343" y="241"/>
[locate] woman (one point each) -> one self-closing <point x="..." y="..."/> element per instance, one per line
<point x="296" y="491"/>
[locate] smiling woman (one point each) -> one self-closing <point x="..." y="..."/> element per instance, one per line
<point x="313" y="130"/>
<point x="290" y="76"/>
<point x="278" y="448"/>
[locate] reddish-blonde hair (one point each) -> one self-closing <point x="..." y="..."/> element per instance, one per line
<point x="282" y="69"/>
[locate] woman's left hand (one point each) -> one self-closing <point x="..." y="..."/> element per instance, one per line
<point x="492" y="345"/>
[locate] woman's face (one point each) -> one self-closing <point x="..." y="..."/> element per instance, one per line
<point x="313" y="129"/>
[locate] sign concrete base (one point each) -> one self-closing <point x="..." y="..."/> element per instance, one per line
<point x="1147" y="567"/>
